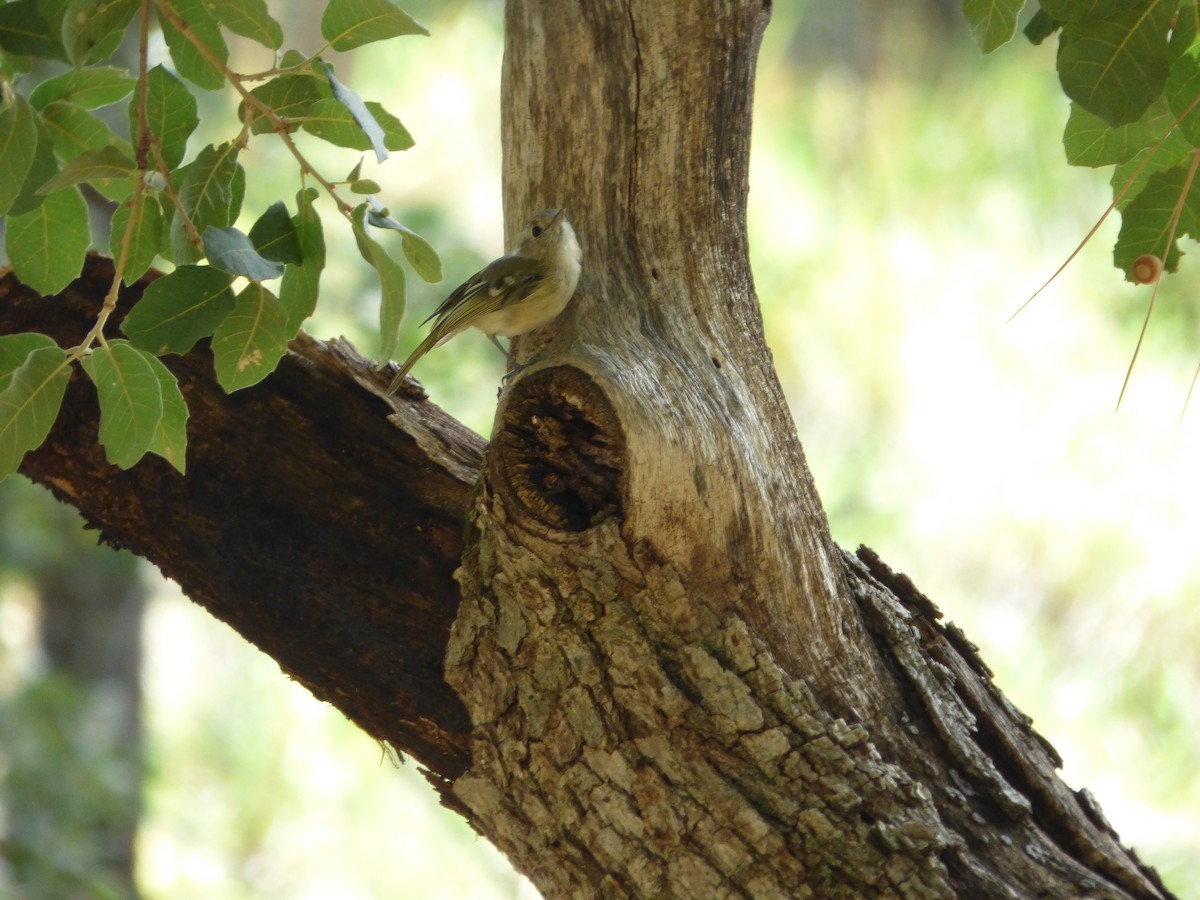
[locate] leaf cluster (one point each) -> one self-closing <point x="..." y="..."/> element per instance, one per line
<point x="184" y="211"/>
<point x="1131" y="69"/>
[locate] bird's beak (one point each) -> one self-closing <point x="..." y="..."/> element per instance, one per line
<point x="558" y="216"/>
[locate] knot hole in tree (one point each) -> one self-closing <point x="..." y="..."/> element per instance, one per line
<point x="558" y="454"/>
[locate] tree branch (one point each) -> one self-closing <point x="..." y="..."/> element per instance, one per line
<point x="319" y="519"/>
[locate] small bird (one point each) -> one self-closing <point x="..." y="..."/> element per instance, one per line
<point x="514" y="294"/>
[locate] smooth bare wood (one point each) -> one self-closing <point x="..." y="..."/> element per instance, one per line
<point x="652" y="164"/>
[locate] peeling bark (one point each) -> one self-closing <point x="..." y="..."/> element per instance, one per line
<point x="318" y="518"/>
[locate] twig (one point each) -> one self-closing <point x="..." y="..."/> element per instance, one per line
<point x="96" y="333"/>
<point x="281" y="127"/>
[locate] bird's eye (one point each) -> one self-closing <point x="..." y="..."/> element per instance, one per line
<point x="537" y="230"/>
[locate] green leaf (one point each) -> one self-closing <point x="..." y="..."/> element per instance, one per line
<point x="15" y="348"/>
<point x="300" y="287"/>
<point x="179" y="309"/>
<point x="1117" y="66"/>
<point x="189" y="61"/>
<point x="25" y="31"/>
<point x="418" y="251"/>
<point x="170" y="438"/>
<point x="74" y="130"/>
<point x="130" y="401"/>
<point x="92" y="165"/>
<point x="274" y="235"/>
<point x="232" y="251"/>
<point x="30" y="403"/>
<point x="117" y="190"/>
<point x="1174" y="151"/>
<point x="332" y="122"/>
<point x="1146" y="222"/>
<point x="237" y="192"/>
<point x="251" y="340"/>
<point x="359" y="112"/>
<point x="1040" y="27"/>
<point x="1081" y="10"/>
<point x="1186" y="26"/>
<point x="206" y="196"/>
<point x="351" y="23"/>
<point x="1090" y="141"/>
<point x="92" y="29"/>
<point x="291" y="59"/>
<point x="395" y="135"/>
<point x="391" y="284"/>
<point x="1185" y="29"/>
<point x="45" y="164"/>
<point x="250" y="19"/>
<point x="421" y="256"/>
<point x="290" y="96"/>
<point x="1183" y="81"/>
<point x="53" y="11"/>
<point x="365" y="186"/>
<point x="18" y="142"/>
<point x="170" y="114"/>
<point x="46" y="245"/>
<point x="146" y="240"/>
<point x="86" y="88"/>
<point x="1182" y="94"/>
<point x="992" y="22"/>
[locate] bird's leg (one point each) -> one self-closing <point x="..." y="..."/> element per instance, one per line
<point x="513" y="367"/>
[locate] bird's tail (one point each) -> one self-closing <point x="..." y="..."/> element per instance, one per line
<point x="431" y="340"/>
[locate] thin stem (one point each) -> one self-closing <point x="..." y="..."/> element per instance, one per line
<point x="286" y="70"/>
<point x="1188" y="399"/>
<point x="169" y="188"/>
<point x="143" y="126"/>
<point x="96" y="333"/>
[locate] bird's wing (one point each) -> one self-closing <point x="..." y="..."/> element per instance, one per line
<point x="503" y="282"/>
<point x="464" y="291"/>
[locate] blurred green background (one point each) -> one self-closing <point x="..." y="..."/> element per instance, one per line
<point x="907" y="195"/>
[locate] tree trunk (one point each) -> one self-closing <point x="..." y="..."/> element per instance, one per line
<point x="676" y="683"/>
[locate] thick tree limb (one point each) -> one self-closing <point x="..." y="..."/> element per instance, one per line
<point x="319" y="519"/>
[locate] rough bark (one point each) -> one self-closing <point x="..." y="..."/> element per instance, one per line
<point x="676" y="683"/>
<point x="318" y="518"/>
<point x="678" y="686"/>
